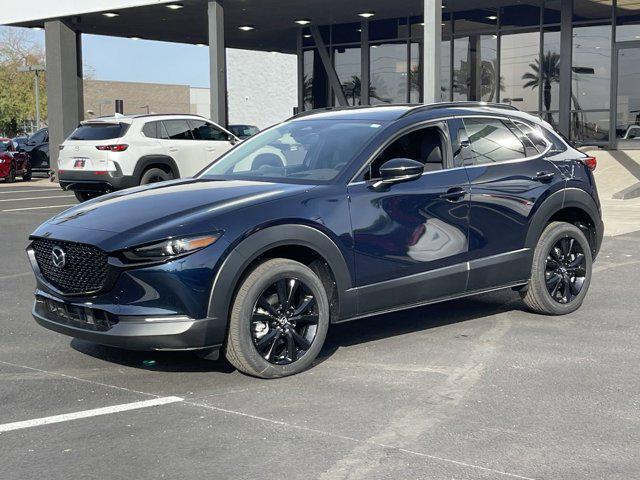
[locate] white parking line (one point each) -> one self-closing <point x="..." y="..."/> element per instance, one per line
<point x="30" y="190"/>
<point x="33" y="198"/>
<point x="36" y="422"/>
<point x="37" y="208"/>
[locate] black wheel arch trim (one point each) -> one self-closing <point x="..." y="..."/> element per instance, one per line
<point x="248" y="250"/>
<point x="144" y="162"/>
<point x="566" y="198"/>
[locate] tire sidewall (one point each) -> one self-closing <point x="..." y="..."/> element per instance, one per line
<point x="144" y="180"/>
<point x="550" y="238"/>
<point x="242" y="313"/>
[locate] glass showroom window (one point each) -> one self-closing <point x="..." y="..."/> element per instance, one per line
<point x="550" y="72"/>
<point x="591" y="81"/>
<point x="307" y="79"/>
<point x="628" y="20"/>
<point x="415" y="73"/>
<point x="475" y="68"/>
<point x="388" y="73"/>
<point x="520" y="71"/>
<point x="347" y="64"/>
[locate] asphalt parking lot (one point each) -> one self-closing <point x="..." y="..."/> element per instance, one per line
<point x="478" y="388"/>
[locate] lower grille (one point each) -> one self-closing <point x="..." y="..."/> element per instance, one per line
<point x="84" y="268"/>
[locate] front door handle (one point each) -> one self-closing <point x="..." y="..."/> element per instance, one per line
<point x="454" y="194"/>
<point x="544" y="176"/>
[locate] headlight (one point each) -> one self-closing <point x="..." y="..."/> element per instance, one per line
<point x="169" y="249"/>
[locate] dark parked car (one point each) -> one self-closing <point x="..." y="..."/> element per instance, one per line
<point x="243" y="131"/>
<point x="20" y="141"/>
<point x="37" y="147"/>
<point x="13" y="163"/>
<point x="374" y="210"/>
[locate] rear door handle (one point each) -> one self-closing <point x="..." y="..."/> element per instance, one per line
<point x="173" y="149"/>
<point x="454" y="194"/>
<point x="544" y="176"/>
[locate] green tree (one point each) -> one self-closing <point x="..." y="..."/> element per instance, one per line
<point x="544" y="75"/>
<point x="17" y="95"/>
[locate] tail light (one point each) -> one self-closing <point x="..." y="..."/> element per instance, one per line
<point x="590" y="162"/>
<point x="113" y="148"/>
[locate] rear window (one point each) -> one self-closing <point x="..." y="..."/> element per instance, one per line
<point x="99" y="131"/>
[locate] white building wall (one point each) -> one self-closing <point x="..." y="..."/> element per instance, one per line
<point x="262" y="88"/>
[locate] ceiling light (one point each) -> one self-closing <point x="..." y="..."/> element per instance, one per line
<point x="492" y="17"/>
<point x="307" y="36"/>
<point x="200" y="45"/>
<point x="174" y="6"/>
<point x="302" y="21"/>
<point x="366" y="14"/>
<point x="134" y="38"/>
<point x="246" y="28"/>
<point x="36" y="28"/>
<point x="111" y="14"/>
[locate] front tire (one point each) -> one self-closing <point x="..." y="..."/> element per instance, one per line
<point x="28" y="175"/>
<point x="561" y="271"/>
<point x="279" y="320"/>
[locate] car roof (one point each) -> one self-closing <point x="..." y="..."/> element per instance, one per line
<point x="118" y="118"/>
<point x="396" y="111"/>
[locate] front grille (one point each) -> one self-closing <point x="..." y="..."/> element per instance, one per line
<point x="85" y="270"/>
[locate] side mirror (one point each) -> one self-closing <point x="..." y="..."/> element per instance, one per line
<point x="399" y="170"/>
<point x="233" y="140"/>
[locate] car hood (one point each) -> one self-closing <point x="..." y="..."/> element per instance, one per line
<point x="148" y="213"/>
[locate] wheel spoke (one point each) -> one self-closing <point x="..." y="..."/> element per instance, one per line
<point x="292" y="284"/>
<point x="579" y="260"/>
<point x="574" y="288"/>
<point x="291" y="347"/>
<point x="266" y="340"/>
<point x="269" y="355"/>
<point x="556" y="253"/>
<point x="304" y="320"/>
<point x="553" y="280"/>
<point x="306" y="303"/>
<point x="551" y="263"/>
<point x="566" y="291"/>
<point x="302" y="342"/>
<point x="281" y="286"/>
<point x="260" y="315"/>
<point x="266" y="306"/>
<point x="564" y="247"/>
<point x="555" y="289"/>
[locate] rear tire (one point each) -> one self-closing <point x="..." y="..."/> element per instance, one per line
<point x="12" y="175"/>
<point x="279" y="320"/>
<point x="561" y="271"/>
<point x="85" y="196"/>
<point x="155" y="175"/>
<point x="28" y="175"/>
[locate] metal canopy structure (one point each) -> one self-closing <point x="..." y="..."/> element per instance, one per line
<point x="274" y="21"/>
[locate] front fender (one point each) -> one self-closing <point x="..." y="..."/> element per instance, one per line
<point x="240" y="257"/>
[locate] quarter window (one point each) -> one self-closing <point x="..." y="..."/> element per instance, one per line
<point x="178" y="129"/>
<point x="534" y="135"/>
<point x="150" y="130"/>
<point x="492" y="141"/>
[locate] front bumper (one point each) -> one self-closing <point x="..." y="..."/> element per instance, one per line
<point x="159" y="333"/>
<point x="89" y="181"/>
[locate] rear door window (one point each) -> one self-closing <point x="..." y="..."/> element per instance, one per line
<point x="491" y="141"/>
<point x="99" y="131"/>
<point x="178" y="129"/>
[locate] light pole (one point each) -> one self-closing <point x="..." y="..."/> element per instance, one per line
<point x="36" y="69"/>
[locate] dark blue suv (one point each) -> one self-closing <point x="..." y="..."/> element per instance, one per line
<point x="330" y="216"/>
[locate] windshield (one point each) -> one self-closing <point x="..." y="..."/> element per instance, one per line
<point x="305" y="151"/>
<point x="99" y="131"/>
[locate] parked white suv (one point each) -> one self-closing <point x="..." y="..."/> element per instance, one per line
<point x="112" y="153"/>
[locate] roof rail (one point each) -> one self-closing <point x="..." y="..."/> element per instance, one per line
<point x="307" y="113"/>
<point x="462" y="104"/>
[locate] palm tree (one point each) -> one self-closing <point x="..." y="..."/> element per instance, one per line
<point x="544" y="75"/>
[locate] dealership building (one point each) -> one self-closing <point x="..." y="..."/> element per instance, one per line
<point x="576" y="63"/>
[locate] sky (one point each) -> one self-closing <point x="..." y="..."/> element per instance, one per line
<point x="123" y="59"/>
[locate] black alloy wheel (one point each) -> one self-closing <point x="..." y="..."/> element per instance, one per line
<point x="565" y="270"/>
<point x="284" y="323"/>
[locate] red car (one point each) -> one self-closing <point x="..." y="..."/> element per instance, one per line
<point x="12" y="162"/>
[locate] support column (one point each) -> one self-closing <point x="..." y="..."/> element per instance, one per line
<point x="64" y="85"/>
<point x="334" y="81"/>
<point x="365" y="69"/>
<point x="300" y="52"/>
<point x="217" y="63"/>
<point x="431" y="54"/>
<point x="566" y="62"/>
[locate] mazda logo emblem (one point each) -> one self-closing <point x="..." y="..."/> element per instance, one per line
<point x="58" y="257"/>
